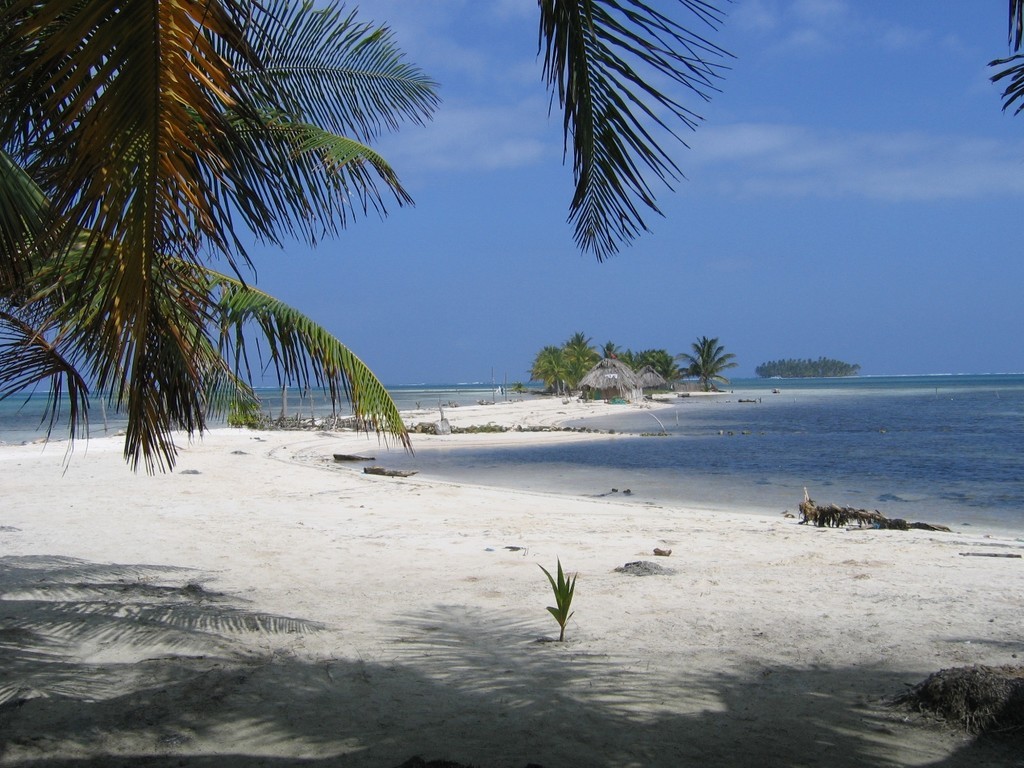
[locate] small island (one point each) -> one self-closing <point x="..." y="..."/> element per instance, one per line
<point x="823" y="367"/>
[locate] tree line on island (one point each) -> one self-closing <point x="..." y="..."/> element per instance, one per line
<point x="823" y="367"/>
<point x="561" y="368"/>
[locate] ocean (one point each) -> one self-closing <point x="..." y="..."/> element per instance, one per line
<point x="946" y="449"/>
<point x="937" y="449"/>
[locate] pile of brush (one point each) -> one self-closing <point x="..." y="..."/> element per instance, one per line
<point x="834" y="516"/>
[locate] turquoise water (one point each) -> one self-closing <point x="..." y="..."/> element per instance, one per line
<point x="942" y="449"/>
<point x="25" y="418"/>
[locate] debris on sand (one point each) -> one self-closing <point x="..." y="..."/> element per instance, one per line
<point x="979" y="699"/>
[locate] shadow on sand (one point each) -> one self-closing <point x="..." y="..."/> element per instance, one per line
<point x="138" y="665"/>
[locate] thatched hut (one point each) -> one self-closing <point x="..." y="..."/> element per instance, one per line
<point x="613" y="378"/>
<point x="648" y="378"/>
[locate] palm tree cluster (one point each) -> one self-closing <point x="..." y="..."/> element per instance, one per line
<point x="143" y="143"/>
<point x="561" y="368"/>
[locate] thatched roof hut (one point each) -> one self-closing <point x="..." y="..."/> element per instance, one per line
<point x="647" y="378"/>
<point x="610" y="377"/>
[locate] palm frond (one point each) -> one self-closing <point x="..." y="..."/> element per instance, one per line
<point x="1012" y="67"/>
<point x="162" y="376"/>
<point x="302" y="352"/>
<point x="29" y="358"/>
<point x="602" y="59"/>
<point x="23" y="212"/>
<point x="322" y="66"/>
<point x="322" y="180"/>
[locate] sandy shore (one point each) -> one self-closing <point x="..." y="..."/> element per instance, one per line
<point x="267" y="605"/>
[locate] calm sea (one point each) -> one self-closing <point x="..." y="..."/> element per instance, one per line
<point x="25" y="418"/>
<point x="941" y="449"/>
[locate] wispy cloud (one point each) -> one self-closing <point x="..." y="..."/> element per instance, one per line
<point x="817" y="27"/>
<point x="476" y="138"/>
<point x="785" y="160"/>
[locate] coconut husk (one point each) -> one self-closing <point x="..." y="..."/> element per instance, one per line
<point x="978" y="699"/>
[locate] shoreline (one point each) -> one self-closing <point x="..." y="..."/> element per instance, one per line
<point x="262" y="604"/>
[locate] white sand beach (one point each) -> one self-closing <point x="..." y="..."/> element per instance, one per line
<point x="267" y="605"/>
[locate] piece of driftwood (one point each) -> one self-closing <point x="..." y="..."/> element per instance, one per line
<point x="987" y="554"/>
<point x="834" y="516"/>
<point x="353" y="457"/>
<point x="389" y="472"/>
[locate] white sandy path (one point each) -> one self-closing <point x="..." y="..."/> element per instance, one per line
<point x="771" y="644"/>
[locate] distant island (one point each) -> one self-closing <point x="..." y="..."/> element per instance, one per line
<point x="823" y="367"/>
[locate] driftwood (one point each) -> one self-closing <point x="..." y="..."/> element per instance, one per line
<point x="353" y="457"/>
<point x="834" y="516"/>
<point x="987" y="554"/>
<point x="389" y="472"/>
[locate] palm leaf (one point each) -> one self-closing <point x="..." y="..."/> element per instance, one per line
<point x="302" y="352"/>
<point x="1012" y="67"/>
<point x="322" y="66"/>
<point x="23" y="211"/>
<point x="602" y="58"/>
<point x="322" y="179"/>
<point x="29" y="358"/>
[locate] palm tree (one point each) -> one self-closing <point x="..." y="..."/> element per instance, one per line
<point x="550" y="367"/>
<point x="630" y="358"/>
<point x="610" y="349"/>
<point x="132" y="139"/>
<point x="580" y="357"/>
<point x="661" y="361"/>
<point x="707" y="361"/>
<point x="137" y="139"/>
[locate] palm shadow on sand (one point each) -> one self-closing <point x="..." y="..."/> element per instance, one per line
<point x="139" y="665"/>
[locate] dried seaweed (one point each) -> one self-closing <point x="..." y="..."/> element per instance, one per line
<point x="979" y="699"/>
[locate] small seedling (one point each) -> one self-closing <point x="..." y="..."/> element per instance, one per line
<point x="563" y="589"/>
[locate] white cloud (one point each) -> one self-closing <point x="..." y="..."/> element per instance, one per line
<point x="785" y="160"/>
<point x="828" y="12"/>
<point x="756" y="16"/>
<point x="478" y="138"/>
<point x="817" y="27"/>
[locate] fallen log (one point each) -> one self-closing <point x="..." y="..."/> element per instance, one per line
<point x="834" y="516"/>
<point x="389" y="472"/>
<point x="353" y="457"/>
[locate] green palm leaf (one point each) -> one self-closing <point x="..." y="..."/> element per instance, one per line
<point x="302" y="352"/>
<point x="322" y="179"/>
<point x="322" y="66"/>
<point x="23" y="212"/>
<point x="602" y="59"/>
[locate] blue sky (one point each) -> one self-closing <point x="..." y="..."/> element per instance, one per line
<point x="853" y="191"/>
